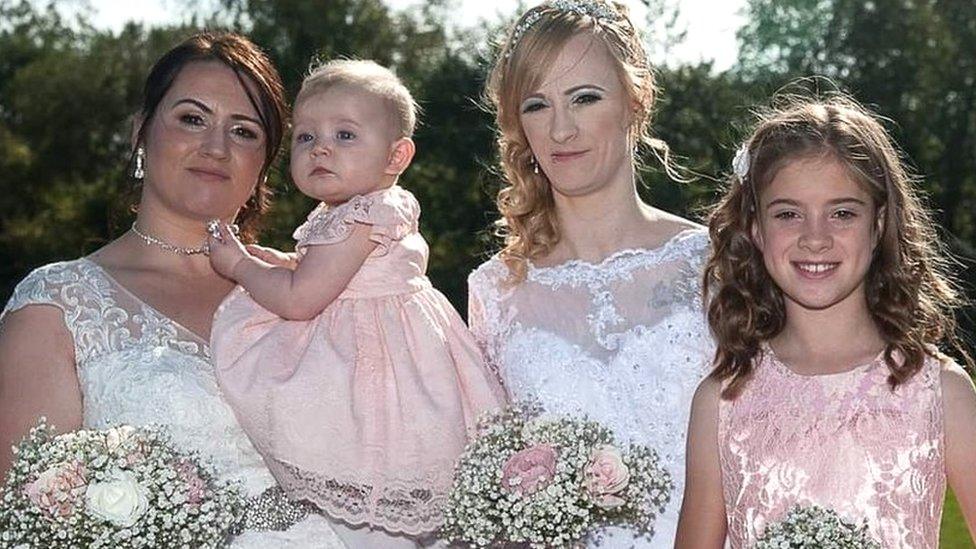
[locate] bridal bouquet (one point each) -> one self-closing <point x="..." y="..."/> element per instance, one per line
<point x="815" y="528"/>
<point x="121" y="487"/>
<point x="544" y="482"/>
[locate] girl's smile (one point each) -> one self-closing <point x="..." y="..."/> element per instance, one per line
<point x="817" y="230"/>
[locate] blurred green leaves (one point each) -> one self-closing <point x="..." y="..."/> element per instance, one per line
<point x="68" y="90"/>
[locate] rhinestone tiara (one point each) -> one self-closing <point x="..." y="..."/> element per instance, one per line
<point x="593" y="8"/>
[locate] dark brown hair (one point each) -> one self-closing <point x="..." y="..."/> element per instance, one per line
<point x="253" y="68"/>
<point x="910" y="293"/>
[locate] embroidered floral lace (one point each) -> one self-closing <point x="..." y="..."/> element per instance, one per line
<point x="137" y="366"/>
<point x="623" y="341"/>
<point x="844" y="442"/>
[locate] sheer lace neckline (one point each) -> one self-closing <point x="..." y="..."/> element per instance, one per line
<point x="648" y="253"/>
<point x="197" y="338"/>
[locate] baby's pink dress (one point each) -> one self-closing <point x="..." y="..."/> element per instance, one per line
<point x="844" y="441"/>
<point x="364" y="409"/>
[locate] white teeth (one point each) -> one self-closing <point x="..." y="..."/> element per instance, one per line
<point x="816" y="267"/>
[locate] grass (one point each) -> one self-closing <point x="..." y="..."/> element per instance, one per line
<point x="954" y="532"/>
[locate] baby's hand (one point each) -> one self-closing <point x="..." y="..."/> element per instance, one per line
<point x="226" y="251"/>
<point x="274" y="257"/>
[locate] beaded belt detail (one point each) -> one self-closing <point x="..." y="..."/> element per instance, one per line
<point x="272" y="510"/>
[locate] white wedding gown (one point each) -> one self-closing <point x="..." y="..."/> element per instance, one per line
<point x="137" y="367"/>
<point x="624" y="341"/>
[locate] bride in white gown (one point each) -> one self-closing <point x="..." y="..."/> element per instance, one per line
<point x="79" y="340"/>
<point x="594" y="305"/>
<point x="136" y="366"/>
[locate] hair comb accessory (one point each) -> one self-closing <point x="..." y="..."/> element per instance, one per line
<point x="740" y="164"/>
<point x="597" y="10"/>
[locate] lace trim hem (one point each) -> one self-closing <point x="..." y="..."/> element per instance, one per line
<point x="413" y="509"/>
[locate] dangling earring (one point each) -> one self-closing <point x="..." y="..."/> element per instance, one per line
<point x="140" y="172"/>
<point x="535" y="166"/>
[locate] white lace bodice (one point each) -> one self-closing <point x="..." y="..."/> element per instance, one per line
<point x="623" y="341"/>
<point x="136" y="366"/>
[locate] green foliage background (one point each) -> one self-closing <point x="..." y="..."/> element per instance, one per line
<point x="68" y="90"/>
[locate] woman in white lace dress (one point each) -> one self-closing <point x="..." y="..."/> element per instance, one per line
<point x="593" y="305"/>
<point x="121" y="336"/>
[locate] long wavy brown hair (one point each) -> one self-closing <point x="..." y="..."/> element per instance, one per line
<point x="911" y="295"/>
<point x="528" y="225"/>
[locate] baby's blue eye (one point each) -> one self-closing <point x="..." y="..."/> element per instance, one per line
<point x="344" y="135"/>
<point x="303" y="138"/>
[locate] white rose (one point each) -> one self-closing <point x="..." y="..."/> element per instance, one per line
<point x="120" y="500"/>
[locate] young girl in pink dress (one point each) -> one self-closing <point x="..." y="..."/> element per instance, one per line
<point x="355" y="379"/>
<point x="828" y="294"/>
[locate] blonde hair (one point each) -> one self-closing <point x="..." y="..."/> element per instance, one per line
<point x="370" y="77"/>
<point x="910" y="292"/>
<point x="528" y="225"/>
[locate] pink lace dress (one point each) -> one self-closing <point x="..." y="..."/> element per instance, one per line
<point x="364" y="409"/>
<point x="845" y="442"/>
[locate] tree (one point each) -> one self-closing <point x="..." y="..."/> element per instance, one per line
<point x="912" y="61"/>
<point x="66" y="94"/>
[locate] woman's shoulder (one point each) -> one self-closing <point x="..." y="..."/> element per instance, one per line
<point x="46" y="271"/>
<point x="489" y="274"/>
<point x="679" y="232"/>
<point x="46" y="284"/>
<point x="672" y="240"/>
<point x="48" y="299"/>
<point x="675" y="222"/>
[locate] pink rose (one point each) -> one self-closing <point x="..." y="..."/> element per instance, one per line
<point x="195" y="486"/>
<point x="530" y="470"/>
<point x="606" y="476"/>
<point x="56" y="489"/>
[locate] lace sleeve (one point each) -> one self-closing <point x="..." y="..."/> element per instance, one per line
<point x="391" y="214"/>
<point x="476" y="314"/>
<point x="485" y="317"/>
<point x="74" y="290"/>
<point x="33" y="290"/>
<point x="696" y="249"/>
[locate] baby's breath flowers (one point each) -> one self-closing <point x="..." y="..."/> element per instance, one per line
<point x="814" y="527"/>
<point x="547" y="482"/>
<point x="122" y="487"/>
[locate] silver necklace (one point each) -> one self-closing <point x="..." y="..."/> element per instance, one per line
<point x="182" y="250"/>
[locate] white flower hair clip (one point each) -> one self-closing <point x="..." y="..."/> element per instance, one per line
<point x="593" y="8"/>
<point x="740" y="163"/>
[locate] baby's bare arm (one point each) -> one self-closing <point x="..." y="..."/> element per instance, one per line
<point x="323" y="273"/>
